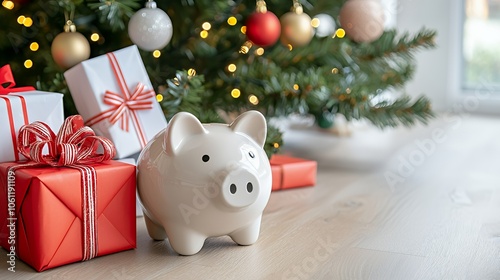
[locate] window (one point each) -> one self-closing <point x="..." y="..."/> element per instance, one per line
<point x="481" y="45"/>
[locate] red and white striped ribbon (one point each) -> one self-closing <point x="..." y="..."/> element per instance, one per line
<point x="89" y="204"/>
<point x="10" y="116"/>
<point x="124" y="104"/>
<point x="74" y="146"/>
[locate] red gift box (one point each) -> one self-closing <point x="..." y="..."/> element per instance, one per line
<point x="291" y="172"/>
<point x="65" y="205"/>
<point x="48" y="208"/>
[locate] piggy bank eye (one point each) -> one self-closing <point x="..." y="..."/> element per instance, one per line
<point x="251" y="154"/>
<point x="205" y="158"/>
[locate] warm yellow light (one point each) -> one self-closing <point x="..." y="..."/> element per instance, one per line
<point x="348" y="90"/>
<point x="204" y="34"/>
<point x="20" y="19"/>
<point x="156" y="53"/>
<point x="206" y="26"/>
<point x="259" y="51"/>
<point x="253" y="99"/>
<point x="28" y="63"/>
<point x="191" y="72"/>
<point x="176" y="81"/>
<point x="159" y="97"/>
<point x="232" y="21"/>
<point x="231" y="68"/>
<point x="9" y="5"/>
<point x="276" y="145"/>
<point x="296" y="87"/>
<point x="94" y="37"/>
<point x="315" y="22"/>
<point x="340" y="33"/>
<point x="243" y="29"/>
<point x="335" y="70"/>
<point x="27" y="22"/>
<point x="290" y="47"/>
<point x="34" y="46"/>
<point x="244" y="49"/>
<point x="235" y="93"/>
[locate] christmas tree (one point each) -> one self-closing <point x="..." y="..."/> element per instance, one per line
<point x="225" y="57"/>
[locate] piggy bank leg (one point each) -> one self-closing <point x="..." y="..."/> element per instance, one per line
<point x="155" y="231"/>
<point x="247" y="235"/>
<point x="185" y="241"/>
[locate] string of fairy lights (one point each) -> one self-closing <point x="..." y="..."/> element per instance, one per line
<point x="259" y="51"/>
<point x="206" y="28"/>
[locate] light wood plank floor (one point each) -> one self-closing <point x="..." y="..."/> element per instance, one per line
<point x="437" y="217"/>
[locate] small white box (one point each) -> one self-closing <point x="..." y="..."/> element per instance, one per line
<point x="118" y="72"/>
<point x="20" y="108"/>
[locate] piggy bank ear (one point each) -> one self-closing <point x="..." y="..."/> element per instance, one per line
<point x="182" y="126"/>
<point x="252" y="124"/>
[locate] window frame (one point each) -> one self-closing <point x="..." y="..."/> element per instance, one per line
<point x="482" y="99"/>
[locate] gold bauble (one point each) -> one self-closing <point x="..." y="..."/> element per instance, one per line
<point x="362" y="20"/>
<point x="69" y="49"/>
<point x="296" y="28"/>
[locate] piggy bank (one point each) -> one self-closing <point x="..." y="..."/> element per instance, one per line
<point x="199" y="180"/>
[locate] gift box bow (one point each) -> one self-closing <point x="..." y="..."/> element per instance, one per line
<point x="74" y="146"/>
<point x="125" y="103"/>
<point x="8" y="83"/>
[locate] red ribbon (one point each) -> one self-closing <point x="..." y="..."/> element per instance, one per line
<point x="124" y="105"/>
<point x="74" y="146"/>
<point x="8" y="83"/>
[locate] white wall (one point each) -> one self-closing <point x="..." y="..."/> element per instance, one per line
<point x="439" y="71"/>
<point x="434" y="67"/>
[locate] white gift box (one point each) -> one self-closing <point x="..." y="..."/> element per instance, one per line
<point x="106" y="85"/>
<point x="20" y="108"/>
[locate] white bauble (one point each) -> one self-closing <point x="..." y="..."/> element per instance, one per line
<point x="326" y="25"/>
<point x="150" y="28"/>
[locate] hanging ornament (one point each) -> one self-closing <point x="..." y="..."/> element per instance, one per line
<point x="263" y="27"/>
<point x="297" y="28"/>
<point x="70" y="47"/>
<point x="362" y="20"/>
<point x="326" y="25"/>
<point x="325" y="119"/>
<point x="150" y="28"/>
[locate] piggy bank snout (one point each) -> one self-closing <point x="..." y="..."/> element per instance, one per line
<point x="240" y="188"/>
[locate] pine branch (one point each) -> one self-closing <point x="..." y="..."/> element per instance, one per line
<point x="390" y="44"/>
<point x="402" y="111"/>
<point x="115" y="13"/>
<point x="186" y="93"/>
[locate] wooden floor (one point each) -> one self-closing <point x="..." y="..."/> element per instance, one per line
<point x="420" y="203"/>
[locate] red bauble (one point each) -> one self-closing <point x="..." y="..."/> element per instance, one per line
<point x="263" y="29"/>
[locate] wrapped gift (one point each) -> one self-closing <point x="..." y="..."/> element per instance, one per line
<point x="23" y="105"/>
<point x="69" y="205"/>
<point x="291" y="172"/>
<point x="114" y="95"/>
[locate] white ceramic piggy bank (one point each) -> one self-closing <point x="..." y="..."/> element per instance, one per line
<point x="201" y="180"/>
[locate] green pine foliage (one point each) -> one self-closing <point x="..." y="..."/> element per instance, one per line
<point x="328" y="76"/>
